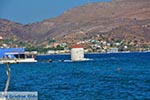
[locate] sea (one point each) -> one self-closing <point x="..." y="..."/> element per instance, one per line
<point x="113" y="76"/>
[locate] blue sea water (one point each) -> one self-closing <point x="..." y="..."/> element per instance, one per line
<point x="120" y="76"/>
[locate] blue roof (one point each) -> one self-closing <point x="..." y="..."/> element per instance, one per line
<point x="10" y="50"/>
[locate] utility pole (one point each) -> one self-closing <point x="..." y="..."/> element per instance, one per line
<point x="7" y="82"/>
<point x="8" y="79"/>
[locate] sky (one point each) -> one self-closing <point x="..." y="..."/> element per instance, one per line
<point x="31" y="11"/>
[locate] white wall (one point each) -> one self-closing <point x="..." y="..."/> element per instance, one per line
<point x="77" y="54"/>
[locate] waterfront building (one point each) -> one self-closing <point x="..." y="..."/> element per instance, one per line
<point x="112" y="50"/>
<point x="77" y="53"/>
<point x="3" y="52"/>
<point x="16" y="55"/>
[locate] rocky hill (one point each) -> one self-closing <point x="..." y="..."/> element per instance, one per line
<point x="124" y="19"/>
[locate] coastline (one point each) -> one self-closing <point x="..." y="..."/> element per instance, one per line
<point x="98" y="53"/>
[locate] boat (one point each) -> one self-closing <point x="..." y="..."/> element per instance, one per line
<point x="18" y="57"/>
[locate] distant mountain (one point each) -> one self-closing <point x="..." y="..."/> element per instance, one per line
<point x="126" y="19"/>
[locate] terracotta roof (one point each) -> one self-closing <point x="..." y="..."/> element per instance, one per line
<point x="76" y="46"/>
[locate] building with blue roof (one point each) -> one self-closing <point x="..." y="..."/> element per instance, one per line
<point x="3" y="51"/>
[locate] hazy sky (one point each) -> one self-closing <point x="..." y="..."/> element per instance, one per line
<point x="29" y="11"/>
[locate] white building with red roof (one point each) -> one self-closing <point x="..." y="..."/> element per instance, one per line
<point x="77" y="53"/>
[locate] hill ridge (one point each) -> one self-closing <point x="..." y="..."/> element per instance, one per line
<point x="84" y="22"/>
